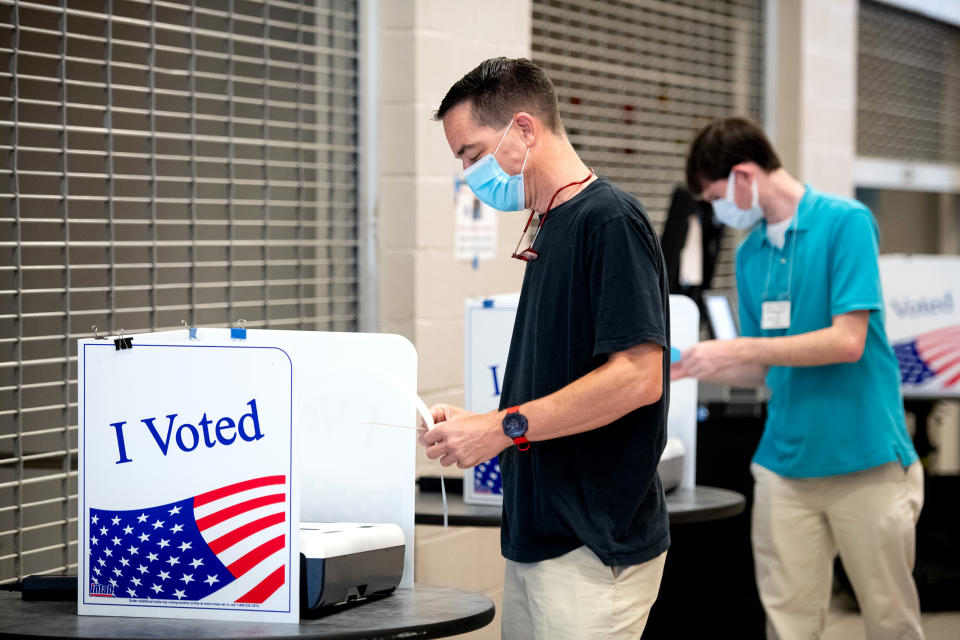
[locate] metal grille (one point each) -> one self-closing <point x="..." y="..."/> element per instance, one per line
<point x="908" y="86"/>
<point x="636" y="80"/>
<point x="163" y="161"/>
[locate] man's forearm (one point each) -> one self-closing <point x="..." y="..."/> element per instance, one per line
<point x="627" y="381"/>
<point x="747" y="375"/>
<point x="832" y="345"/>
<point x="724" y="360"/>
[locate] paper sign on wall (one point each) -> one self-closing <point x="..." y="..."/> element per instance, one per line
<point x="188" y="487"/>
<point x="475" y="226"/>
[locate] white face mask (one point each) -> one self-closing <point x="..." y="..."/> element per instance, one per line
<point x="730" y="214"/>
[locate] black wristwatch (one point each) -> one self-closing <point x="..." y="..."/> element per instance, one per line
<point x="515" y="426"/>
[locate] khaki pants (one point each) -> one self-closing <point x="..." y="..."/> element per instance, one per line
<point x="869" y="517"/>
<point x="576" y="596"/>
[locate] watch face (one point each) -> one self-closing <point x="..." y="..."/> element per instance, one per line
<point x="514" y="425"/>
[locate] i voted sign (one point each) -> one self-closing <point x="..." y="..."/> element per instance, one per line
<point x="922" y="319"/>
<point x="188" y="500"/>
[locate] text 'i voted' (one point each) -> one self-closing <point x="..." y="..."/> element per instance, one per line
<point x="186" y="436"/>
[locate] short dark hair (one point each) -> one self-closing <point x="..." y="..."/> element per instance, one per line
<point x="500" y="87"/>
<point x="723" y="144"/>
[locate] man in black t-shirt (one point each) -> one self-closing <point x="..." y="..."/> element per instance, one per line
<point x="585" y="392"/>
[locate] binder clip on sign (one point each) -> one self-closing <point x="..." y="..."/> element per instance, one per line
<point x="239" y="332"/>
<point x="191" y="331"/>
<point x="122" y="343"/>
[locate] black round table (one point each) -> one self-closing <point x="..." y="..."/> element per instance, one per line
<point x="700" y="504"/>
<point x="421" y="612"/>
<point x="703" y="504"/>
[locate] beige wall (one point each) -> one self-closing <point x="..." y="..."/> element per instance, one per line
<point x="908" y="221"/>
<point x="949" y="223"/>
<point x="815" y="90"/>
<point x="916" y="221"/>
<point x="424" y="47"/>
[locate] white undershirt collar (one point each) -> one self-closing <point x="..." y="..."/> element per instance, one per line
<point x="777" y="232"/>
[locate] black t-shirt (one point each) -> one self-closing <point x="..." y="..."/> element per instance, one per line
<point x="598" y="287"/>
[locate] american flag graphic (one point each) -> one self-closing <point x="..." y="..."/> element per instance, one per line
<point x="486" y="477"/>
<point x="230" y="540"/>
<point x="931" y="359"/>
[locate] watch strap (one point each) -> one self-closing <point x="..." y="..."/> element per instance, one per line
<point x="522" y="443"/>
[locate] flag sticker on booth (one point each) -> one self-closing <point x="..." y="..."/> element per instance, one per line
<point x="231" y="538"/>
<point x="931" y="360"/>
<point x="187" y="502"/>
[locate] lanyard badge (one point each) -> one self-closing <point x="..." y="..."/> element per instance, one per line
<point x="775" y="314"/>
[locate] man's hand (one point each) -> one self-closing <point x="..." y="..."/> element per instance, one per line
<point x="445" y="412"/>
<point x="463" y="438"/>
<point x="440" y="413"/>
<point x="707" y="359"/>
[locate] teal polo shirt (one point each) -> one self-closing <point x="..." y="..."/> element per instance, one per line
<point x="837" y="418"/>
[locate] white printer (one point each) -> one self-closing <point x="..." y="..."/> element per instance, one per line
<point x="344" y="561"/>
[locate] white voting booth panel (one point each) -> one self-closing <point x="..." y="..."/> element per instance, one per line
<point x="247" y="437"/>
<point x="682" y="418"/>
<point x="488" y="327"/>
<point x="921" y="295"/>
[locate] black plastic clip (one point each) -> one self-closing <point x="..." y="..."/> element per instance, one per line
<point x="122" y="343"/>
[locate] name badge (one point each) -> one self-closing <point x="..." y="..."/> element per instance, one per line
<point x="775" y="314"/>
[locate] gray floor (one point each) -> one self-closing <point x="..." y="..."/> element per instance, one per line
<point x="843" y="623"/>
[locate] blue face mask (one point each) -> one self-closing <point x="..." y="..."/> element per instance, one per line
<point x="492" y="185"/>
<point x="731" y="215"/>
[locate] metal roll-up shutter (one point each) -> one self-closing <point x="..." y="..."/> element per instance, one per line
<point x="163" y="161"/>
<point x="636" y="79"/>
<point x="908" y="86"/>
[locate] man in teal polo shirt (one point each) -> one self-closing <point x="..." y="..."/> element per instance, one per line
<point x="835" y="470"/>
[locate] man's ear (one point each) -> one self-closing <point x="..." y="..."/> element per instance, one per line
<point x="528" y="125"/>
<point x="746" y="170"/>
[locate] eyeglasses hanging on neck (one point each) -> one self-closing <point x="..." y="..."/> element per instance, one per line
<point x="529" y="254"/>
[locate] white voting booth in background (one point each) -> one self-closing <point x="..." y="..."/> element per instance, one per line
<point x="488" y="327"/>
<point x="682" y="419"/>
<point x="921" y="297"/>
<point x="199" y="457"/>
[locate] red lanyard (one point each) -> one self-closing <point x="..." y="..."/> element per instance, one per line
<point x="530" y="254"/>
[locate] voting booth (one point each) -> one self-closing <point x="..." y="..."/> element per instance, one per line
<point x="201" y="451"/>
<point x="682" y="418"/>
<point x="921" y="296"/>
<point x="488" y="328"/>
